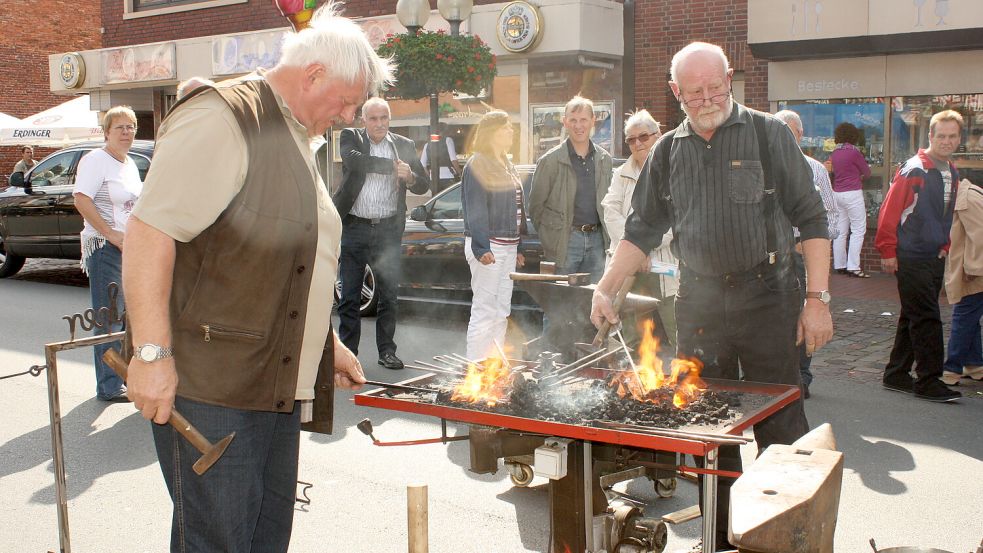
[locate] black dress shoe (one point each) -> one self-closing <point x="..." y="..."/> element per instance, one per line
<point x="390" y="361"/>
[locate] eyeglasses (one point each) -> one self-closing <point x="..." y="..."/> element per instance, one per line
<point x="124" y="128"/>
<point x="642" y="138"/>
<point x="698" y="102"/>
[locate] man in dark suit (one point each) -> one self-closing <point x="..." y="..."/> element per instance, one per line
<point x="377" y="168"/>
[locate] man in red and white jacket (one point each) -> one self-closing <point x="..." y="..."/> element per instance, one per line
<point x="913" y="239"/>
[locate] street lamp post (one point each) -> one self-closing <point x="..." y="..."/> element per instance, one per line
<point x="413" y="14"/>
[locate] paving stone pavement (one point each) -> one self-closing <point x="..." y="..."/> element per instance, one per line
<point x="865" y="316"/>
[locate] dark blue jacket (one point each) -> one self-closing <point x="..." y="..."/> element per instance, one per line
<point x="489" y="202"/>
<point x="914" y="221"/>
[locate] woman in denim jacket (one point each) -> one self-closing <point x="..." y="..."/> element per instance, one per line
<point x="494" y="220"/>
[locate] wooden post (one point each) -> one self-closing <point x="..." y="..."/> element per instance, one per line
<point x="417" y="518"/>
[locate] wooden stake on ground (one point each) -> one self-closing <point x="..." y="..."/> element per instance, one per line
<point x="417" y="515"/>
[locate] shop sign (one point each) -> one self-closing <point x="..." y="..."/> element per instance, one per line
<point x="972" y="102"/>
<point x="151" y="62"/>
<point x="71" y="69"/>
<point x="841" y="85"/>
<point x="237" y="54"/>
<point x="519" y="26"/>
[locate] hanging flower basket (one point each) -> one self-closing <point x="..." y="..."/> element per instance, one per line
<point x="429" y="62"/>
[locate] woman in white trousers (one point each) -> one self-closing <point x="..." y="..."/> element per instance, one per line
<point x="494" y="221"/>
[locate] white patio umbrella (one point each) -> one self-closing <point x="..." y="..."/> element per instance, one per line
<point x="8" y="120"/>
<point x="62" y="125"/>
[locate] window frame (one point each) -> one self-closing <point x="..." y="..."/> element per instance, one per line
<point x="129" y="12"/>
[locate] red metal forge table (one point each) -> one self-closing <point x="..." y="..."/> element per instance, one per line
<point x="768" y="399"/>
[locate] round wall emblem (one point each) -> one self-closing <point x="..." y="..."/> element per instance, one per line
<point x="519" y="26"/>
<point x="72" y="70"/>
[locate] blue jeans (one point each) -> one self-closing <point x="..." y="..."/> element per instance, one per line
<point x="105" y="265"/>
<point x="245" y="502"/>
<point x="585" y="254"/>
<point x="377" y="246"/>
<point x="965" y="348"/>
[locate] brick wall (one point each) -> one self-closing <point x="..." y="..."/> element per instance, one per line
<point x="662" y="27"/>
<point x="235" y="18"/>
<point x="31" y="33"/>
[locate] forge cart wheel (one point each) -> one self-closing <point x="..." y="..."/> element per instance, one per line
<point x="665" y="487"/>
<point x="521" y="474"/>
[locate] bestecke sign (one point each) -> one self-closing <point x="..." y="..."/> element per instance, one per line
<point x="841" y="85"/>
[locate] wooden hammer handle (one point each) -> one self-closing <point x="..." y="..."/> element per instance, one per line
<point x="619" y="300"/>
<point x="181" y="424"/>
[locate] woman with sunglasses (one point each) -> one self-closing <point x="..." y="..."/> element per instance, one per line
<point x="641" y="133"/>
<point x="107" y="184"/>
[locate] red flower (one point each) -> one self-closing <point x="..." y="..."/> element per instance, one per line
<point x="457" y="82"/>
<point x="491" y="65"/>
<point x="470" y="69"/>
<point x="477" y="56"/>
<point x="440" y="56"/>
<point x="441" y="32"/>
<point x="396" y="40"/>
<point x="477" y="77"/>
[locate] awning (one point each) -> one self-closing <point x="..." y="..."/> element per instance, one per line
<point x="62" y="125"/>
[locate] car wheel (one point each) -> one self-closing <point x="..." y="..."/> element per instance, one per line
<point x="9" y="263"/>
<point x="370" y="300"/>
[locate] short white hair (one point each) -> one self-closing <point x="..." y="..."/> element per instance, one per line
<point x="788" y="117"/>
<point x="642" y="118"/>
<point x="578" y="103"/>
<point x="375" y="101"/>
<point x="692" y="48"/>
<point x="340" y="45"/>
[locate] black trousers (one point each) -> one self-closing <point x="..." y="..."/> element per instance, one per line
<point x="377" y="245"/>
<point x="918" y="342"/>
<point x="738" y="324"/>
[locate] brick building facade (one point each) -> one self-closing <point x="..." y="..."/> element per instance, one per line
<point x="30" y="36"/>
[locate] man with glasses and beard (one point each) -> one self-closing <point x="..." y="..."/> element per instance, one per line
<point x="731" y="183"/>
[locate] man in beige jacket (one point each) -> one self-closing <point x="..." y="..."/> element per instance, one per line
<point x="964" y="286"/>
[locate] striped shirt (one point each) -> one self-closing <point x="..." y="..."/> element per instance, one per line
<point x="715" y="194"/>
<point x="820" y="177"/>
<point x="378" y="199"/>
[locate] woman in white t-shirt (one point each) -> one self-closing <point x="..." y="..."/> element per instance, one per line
<point x="107" y="185"/>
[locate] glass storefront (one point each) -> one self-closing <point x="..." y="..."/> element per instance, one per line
<point x="892" y="130"/>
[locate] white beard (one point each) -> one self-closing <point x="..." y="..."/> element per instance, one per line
<point x="706" y="119"/>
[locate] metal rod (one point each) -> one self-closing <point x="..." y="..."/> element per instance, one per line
<point x="624" y="346"/>
<point x="577" y="365"/>
<point x="588" y="496"/>
<point x="432" y="367"/>
<point x="433" y="370"/>
<point x="57" y="450"/>
<point x="501" y="352"/>
<point x="709" y="507"/>
<point x="451" y="362"/>
<point x="400" y="387"/>
<point x="465" y="359"/>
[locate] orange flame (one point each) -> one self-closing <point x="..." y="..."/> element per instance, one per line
<point x="486" y="382"/>
<point x="650" y="376"/>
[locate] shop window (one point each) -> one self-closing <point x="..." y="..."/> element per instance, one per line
<point x="819" y="121"/>
<point x="143" y="8"/>
<point x="910" y="117"/>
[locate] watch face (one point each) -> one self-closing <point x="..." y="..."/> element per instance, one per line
<point x="148" y="353"/>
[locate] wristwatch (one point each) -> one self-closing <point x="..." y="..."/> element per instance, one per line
<point x="148" y="353"/>
<point x="822" y="296"/>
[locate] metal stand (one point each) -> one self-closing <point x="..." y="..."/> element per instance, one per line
<point x="709" y="507"/>
<point x="54" y="411"/>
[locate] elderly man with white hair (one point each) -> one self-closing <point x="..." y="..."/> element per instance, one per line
<point x="731" y="183"/>
<point x="228" y="285"/>
<point x="820" y="177"/>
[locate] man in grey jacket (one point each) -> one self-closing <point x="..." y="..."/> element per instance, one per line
<point x="567" y="188"/>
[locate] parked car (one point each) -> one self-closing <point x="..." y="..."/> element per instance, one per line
<point x="37" y="212"/>
<point x="433" y="264"/>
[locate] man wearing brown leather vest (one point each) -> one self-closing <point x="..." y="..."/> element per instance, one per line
<point x="231" y="256"/>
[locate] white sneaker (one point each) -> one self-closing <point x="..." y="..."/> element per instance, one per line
<point x="950" y="378"/>
<point x="976" y="373"/>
